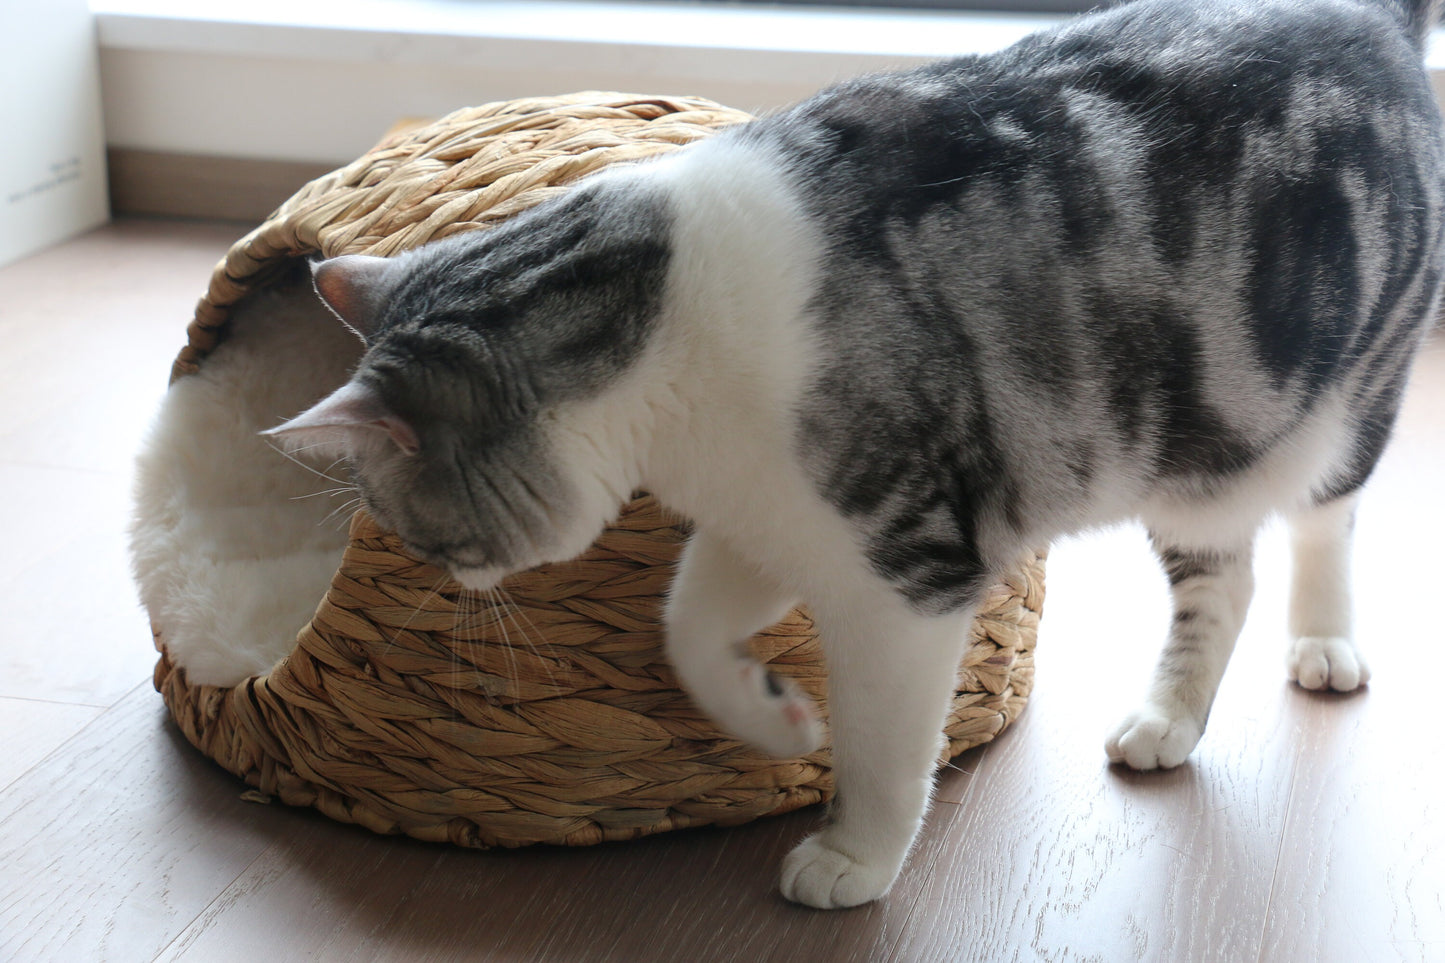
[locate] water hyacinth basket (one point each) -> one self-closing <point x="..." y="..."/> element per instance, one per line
<point x="408" y="705"/>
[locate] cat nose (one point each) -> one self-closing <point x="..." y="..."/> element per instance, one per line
<point x="453" y="556"/>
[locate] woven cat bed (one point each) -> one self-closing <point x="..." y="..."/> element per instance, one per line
<point x="411" y="706"/>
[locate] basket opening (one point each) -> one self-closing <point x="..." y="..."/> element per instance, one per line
<point x="233" y="544"/>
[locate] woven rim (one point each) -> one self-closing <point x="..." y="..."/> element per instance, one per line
<point x="409" y="705"/>
<point x="471" y="169"/>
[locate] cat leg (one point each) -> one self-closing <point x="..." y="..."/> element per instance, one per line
<point x="891" y="674"/>
<point x="1212" y="590"/>
<point x="1322" y="653"/>
<point x="717" y="602"/>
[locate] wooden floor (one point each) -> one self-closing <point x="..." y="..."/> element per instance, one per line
<point x="1306" y="827"/>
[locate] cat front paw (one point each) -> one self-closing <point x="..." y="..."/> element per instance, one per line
<point x="1154" y="738"/>
<point x="1326" y="662"/>
<point x="818" y="875"/>
<point x="767" y="711"/>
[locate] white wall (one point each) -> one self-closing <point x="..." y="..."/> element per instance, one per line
<point x="318" y="80"/>
<point x="312" y="80"/>
<point x="52" y="168"/>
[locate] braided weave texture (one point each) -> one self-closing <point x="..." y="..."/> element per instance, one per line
<point x="544" y="713"/>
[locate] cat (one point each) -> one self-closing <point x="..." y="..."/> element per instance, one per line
<point x="1169" y="262"/>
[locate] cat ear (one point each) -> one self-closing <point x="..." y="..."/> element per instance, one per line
<point x="354" y="287"/>
<point x="350" y="418"/>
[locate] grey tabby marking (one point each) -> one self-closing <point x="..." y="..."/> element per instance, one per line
<point x="1181" y="565"/>
<point x="492" y="329"/>
<point x="1147" y="245"/>
<point x="1151" y="243"/>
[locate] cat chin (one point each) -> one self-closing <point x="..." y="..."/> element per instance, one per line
<point x="479" y="579"/>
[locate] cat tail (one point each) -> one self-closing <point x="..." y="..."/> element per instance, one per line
<point x="1418" y="17"/>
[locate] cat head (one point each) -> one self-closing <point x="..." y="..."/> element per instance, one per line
<point x="485" y="423"/>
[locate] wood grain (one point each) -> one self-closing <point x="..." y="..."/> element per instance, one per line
<point x="90" y="329"/>
<point x="74" y="630"/>
<point x="1362" y="862"/>
<point x="704" y="895"/>
<point x="33" y="730"/>
<point x="111" y="846"/>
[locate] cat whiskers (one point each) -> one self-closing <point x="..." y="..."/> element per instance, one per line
<point x="416" y="610"/>
<point x="956" y="768"/>
<point x="324" y="491"/>
<point x="465" y="631"/>
<point x="342" y="513"/>
<point x="319" y="473"/>
<point x="498" y="618"/>
<point x="510" y="608"/>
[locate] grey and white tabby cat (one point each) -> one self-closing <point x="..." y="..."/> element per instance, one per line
<point x="1167" y="262"/>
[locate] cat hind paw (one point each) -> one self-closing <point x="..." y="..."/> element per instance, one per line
<point x="816" y="874"/>
<point x="1152" y="738"/>
<point x="1326" y="662"/>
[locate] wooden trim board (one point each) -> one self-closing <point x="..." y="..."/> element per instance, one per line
<point x="162" y="183"/>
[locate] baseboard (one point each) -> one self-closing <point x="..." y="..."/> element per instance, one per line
<point x="161" y="183"/>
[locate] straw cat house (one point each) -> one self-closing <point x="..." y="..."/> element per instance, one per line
<point x="324" y="666"/>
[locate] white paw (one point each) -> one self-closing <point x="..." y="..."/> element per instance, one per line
<point x="817" y="875"/>
<point x="1326" y="662"/>
<point x="766" y="710"/>
<point x="1153" y="738"/>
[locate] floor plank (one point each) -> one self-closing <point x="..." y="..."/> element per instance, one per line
<point x="90" y="330"/>
<point x="1361" y="873"/>
<point x="113" y="844"/>
<point x="706" y="895"/>
<point x="33" y="730"/>
<point x="74" y="631"/>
